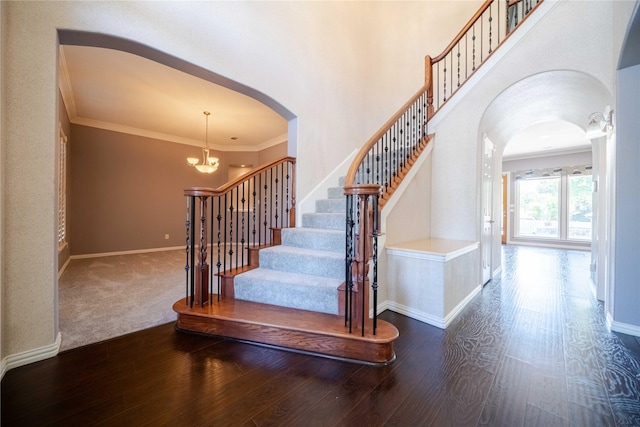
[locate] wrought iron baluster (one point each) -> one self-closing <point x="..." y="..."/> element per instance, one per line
<point x="193" y="252"/>
<point x="458" y="56"/>
<point x="211" y="256"/>
<point x="226" y="226"/>
<point x="187" y="266"/>
<point x="374" y="284"/>
<point x="276" y="216"/>
<point x="243" y="241"/>
<point x="490" y="30"/>
<point x="265" y="208"/>
<point x="253" y="208"/>
<point x="219" y="244"/>
<point x="287" y="201"/>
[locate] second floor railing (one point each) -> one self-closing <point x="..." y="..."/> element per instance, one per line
<point x="225" y="224"/>
<point x="475" y="43"/>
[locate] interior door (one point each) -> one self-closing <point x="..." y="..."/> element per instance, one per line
<point x="487" y="201"/>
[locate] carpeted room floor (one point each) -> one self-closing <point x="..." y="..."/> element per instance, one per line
<point x="106" y="297"/>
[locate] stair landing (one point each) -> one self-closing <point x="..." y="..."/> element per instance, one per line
<point x="290" y="329"/>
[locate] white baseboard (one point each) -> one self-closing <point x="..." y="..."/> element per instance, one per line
<point x="625" y="328"/>
<point x="137" y="251"/>
<point x="438" y="322"/>
<point x="31" y="356"/>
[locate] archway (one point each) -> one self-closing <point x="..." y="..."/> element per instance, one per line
<point x="107" y="42"/>
<point x="553" y="96"/>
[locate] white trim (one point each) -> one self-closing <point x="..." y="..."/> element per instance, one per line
<point x="31" y="356"/>
<point x="137" y="251"/>
<point x="432" y="256"/>
<point x="308" y="203"/>
<point x="172" y="138"/>
<point x="625" y="328"/>
<point x="496" y="271"/>
<point x="438" y="322"/>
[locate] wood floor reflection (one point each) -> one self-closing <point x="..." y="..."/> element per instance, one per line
<point x="531" y="350"/>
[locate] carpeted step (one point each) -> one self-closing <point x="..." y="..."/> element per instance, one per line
<point x="294" y="290"/>
<point x="331" y="205"/>
<point x="305" y="261"/>
<point x="314" y="238"/>
<point x="335" y="192"/>
<point x="331" y="221"/>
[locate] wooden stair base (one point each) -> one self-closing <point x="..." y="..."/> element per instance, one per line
<point x="316" y="333"/>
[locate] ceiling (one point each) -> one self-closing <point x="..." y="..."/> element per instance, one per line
<point x="120" y="91"/>
<point x="546" y="138"/>
<point x="116" y="90"/>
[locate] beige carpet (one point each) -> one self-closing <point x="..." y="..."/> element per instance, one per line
<point x="102" y="298"/>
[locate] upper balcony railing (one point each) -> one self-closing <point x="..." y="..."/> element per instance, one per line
<point x="474" y="44"/>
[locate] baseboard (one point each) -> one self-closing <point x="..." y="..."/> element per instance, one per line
<point x="625" y="328"/>
<point x="438" y="322"/>
<point x="136" y="251"/>
<point x="31" y="356"/>
<point x="64" y="267"/>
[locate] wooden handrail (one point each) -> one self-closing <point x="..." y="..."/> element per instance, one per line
<point x="355" y="164"/>
<point x="224" y="188"/>
<point x="464" y="31"/>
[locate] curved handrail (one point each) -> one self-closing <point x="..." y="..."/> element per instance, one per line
<point x="228" y="186"/>
<point x="464" y="31"/>
<point x="472" y="51"/>
<point x="363" y="152"/>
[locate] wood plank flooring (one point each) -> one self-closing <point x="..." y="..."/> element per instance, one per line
<point x="531" y="350"/>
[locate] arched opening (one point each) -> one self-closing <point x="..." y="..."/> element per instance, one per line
<point x="127" y="154"/>
<point x="548" y="113"/>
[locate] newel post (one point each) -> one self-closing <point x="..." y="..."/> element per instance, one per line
<point x="199" y="277"/>
<point x="428" y="81"/>
<point x="363" y="231"/>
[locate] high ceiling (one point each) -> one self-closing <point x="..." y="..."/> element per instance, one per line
<point x="120" y="91"/>
<point x="117" y="90"/>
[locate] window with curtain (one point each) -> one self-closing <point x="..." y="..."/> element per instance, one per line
<point x="554" y="205"/>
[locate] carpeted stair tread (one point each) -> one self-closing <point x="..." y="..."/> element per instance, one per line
<point x="288" y="289"/>
<point x="330" y="205"/>
<point x="314" y="238"/>
<point x="332" y="221"/>
<point x="303" y="260"/>
<point x="335" y="193"/>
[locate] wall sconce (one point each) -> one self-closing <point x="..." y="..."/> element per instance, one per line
<point x="600" y="123"/>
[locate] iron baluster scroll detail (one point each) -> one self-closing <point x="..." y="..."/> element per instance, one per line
<point x="230" y="221"/>
<point x="485" y="32"/>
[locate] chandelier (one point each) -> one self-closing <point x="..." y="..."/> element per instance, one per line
<point x="209" y="164"/>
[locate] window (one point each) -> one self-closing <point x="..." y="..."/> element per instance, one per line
<point x="580" y="199"/>
<point x="554" y="207"/>
<point x="62" y="189"/>
<point x="538" y="207"/>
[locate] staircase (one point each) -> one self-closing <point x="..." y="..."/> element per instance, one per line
<point x="291" y="295"/>
<point x="306" y="269"/>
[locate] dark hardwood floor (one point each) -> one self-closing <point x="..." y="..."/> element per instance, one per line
<point x="531" y="350"/>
